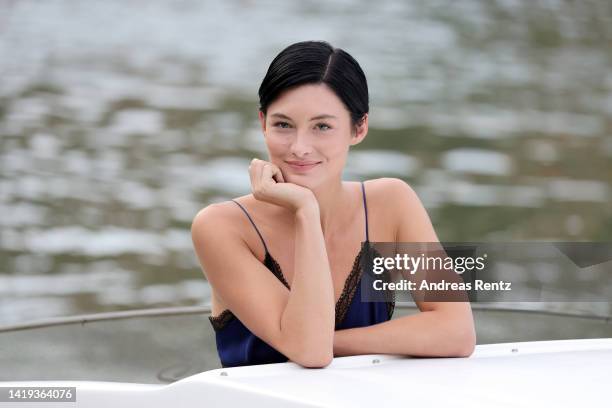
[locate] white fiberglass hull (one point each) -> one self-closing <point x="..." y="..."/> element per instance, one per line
<point x="561" y="373"/>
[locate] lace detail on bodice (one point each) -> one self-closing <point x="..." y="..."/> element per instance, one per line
<point x="348" y="292"/>
<point x="276" y="269"/>
<point x="219" y="322"/>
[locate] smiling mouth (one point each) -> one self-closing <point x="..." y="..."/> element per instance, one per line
<point x="297" y="166"/>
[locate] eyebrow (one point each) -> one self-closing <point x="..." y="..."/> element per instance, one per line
<point x="322" y="116"/>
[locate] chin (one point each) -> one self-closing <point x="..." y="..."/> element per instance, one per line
<point x="301" y="181"/>
<point x="308" y="181"/>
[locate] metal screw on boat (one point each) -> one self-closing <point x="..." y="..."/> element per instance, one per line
<point x="223" y="373"/>
<point x="375" y="361"/>
<point x="515" y="350"/>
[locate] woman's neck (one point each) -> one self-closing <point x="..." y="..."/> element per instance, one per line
<point x="333" y="201"/>
<point x="335" y="206"/>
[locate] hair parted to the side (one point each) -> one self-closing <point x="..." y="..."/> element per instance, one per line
<point x="316" y="62"/>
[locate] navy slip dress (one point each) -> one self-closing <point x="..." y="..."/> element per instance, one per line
<point x="238" y="346"/>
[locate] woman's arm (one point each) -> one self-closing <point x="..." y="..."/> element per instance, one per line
<point x="298" y="323"/>
<point x="444" y="329"/>
<point x="442" y="332"/>
<point x="309" y="315"/>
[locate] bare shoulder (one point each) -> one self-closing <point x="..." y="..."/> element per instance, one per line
<point x="211" y="218"/>
<point x="216" y="215"/>
<point x="216" y="222"/>
<point x="401" y="209"/>
<point x="212" y="214"/>
<point x="390" y="193"/>
<point x="386" y="185"/>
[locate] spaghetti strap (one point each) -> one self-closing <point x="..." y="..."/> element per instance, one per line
<point x="365" y="206"/>
<point x="254" y="226"/>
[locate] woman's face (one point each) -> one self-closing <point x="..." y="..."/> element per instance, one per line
<point x="308" y="133"/>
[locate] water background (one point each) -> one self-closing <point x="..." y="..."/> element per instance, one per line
<point x="120" y="120"/>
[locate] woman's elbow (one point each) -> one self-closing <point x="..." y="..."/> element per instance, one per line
<point x="466" y="350"/>
<point x="310" y="359"/>
<point x="466" y="344"/>
<point x="310" y="351"/>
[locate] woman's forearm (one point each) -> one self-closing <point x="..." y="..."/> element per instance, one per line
<point x="309" y="316"/>
<point x="427" y="334"/>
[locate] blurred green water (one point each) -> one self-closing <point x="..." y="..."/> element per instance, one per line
<point x="499" y="114"/>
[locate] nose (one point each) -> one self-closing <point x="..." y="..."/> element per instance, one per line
<point x="301" y="145"/>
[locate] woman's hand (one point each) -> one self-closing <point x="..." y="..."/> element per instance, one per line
<point x="268" y="184"/>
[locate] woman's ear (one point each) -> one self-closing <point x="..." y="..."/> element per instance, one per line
<point x="360" y="130"/>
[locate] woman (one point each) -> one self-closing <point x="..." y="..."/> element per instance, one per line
<point x="303" y="302"/>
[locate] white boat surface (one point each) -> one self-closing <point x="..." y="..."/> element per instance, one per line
<point x="556" y="373"/>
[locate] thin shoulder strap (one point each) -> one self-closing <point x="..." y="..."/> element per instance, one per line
<point x="254" y="226"/>
<point x="365" y="206"/>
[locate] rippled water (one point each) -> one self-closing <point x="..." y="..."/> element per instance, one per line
<point x="119" y="121"/>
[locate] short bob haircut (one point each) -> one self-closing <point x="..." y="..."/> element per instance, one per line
<point x="317" y="62"/>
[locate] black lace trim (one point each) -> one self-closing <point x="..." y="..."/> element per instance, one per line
<point x="220" y="321"/>
<point x="348" y="292"/>
<point x="391" y="305"/>
<point x="276" y="269"/>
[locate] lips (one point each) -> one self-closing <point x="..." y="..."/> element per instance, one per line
<point x="302" y="166"/>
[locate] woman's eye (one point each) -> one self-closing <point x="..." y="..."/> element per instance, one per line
<point x="278" y="124"/>
<point x="285" y="125"/>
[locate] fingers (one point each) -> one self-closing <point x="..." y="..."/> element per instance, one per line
<point x="279" y="175"/>
<point x="266" y="174"/>
<point x="252" y="174"/>
<point x="263" y="172"/>
<point x="255" y="168"/>
<point x="271" y="173"/>
<point x="276" y="174"/>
